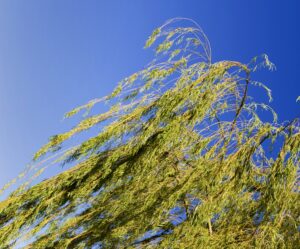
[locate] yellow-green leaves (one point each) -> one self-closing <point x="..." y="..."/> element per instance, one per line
<point x="182" y="156"/>
<point x="165" y="46"/>
<point x="152" y="38"/>
<point x="86" y="107"/>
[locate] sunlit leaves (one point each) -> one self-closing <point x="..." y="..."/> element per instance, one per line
<point x="183" y="159"/>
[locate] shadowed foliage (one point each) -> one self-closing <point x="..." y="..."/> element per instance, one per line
<point x="182" y="159"/>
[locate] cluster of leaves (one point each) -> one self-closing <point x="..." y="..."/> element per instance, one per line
<point x="183" y="161"/>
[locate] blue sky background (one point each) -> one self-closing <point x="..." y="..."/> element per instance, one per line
<point x="55" y="55"/>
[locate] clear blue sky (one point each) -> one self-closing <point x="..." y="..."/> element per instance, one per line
<point x="55" y="55"/>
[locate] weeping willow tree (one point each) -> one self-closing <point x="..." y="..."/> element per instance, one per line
<point x="182" y="159"/>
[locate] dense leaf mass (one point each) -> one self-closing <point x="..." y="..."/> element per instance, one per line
<point x="183" y="159"/>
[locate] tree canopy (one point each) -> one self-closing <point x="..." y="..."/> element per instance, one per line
<point x="183" y="158"/>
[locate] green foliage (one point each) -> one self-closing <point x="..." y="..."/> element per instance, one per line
<point x="183" y="161"/>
